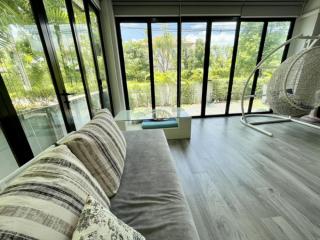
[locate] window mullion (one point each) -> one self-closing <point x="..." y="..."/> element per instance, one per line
<point x="179" y="65"/>
<point x="233" y="65"/>
<point x="286" y="48"/>
<point x="206" y="68"/>
<point x="259" y="58"/>
<point x="95" y="60"/>
<point x="150" y="47"/>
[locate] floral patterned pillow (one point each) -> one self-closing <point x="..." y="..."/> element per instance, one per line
<point x="97" y="222"/>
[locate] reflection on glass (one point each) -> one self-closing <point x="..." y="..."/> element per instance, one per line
<point x="86" y="51"/>
<point x="164" y="43"/>
<point x="221" y="47"/>
<point x="276" y="34"/>
<point x="192" y="56"/>
<point x="65" y="50"/>
<point x="249" y="42"/>
<point x="99" y="55"/>
<point x="136" y="59"/>
<point x="7" y="160"/>
<point x="26" y="75"/>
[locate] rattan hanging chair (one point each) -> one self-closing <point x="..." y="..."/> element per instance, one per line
<point x="294" y="88"/>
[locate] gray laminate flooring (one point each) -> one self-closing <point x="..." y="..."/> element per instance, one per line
<point x="241" y="184"/>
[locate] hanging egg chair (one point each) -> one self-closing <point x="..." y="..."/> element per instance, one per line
<point x="294" y="88"/>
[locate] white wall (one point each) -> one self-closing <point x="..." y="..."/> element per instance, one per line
<point x="111" y="45"/>
<point x="307" y="24"/>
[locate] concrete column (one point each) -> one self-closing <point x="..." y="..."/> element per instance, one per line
<point x="307" y="24"/>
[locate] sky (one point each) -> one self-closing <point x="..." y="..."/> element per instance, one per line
<point x="222" y="32"/>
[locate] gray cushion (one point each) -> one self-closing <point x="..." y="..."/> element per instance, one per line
<point x="150" y="198"/>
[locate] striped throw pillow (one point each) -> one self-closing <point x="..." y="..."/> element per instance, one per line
<point x="101" y="147"/>
<point x="46" y="200"/>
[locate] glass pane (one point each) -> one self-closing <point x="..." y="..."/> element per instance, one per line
<point x="192" y="55"/>
<point x="65" y="50"/>
<point x="136" y="59"/>
<point x="26" y="75"/>
<point x="221" y="48"/>
<point x="164" y="41"/>
<point x="98" y="49"/>
<point x="86" y="51"/>
<point x="276" y="34"/>
<point x="249" y="41"/>
<point x="7" y="160"/>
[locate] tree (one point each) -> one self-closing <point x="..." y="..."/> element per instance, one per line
<point x="136" y="60"/>
<point x="199" y="53"/>
<point x="164" y="50"/>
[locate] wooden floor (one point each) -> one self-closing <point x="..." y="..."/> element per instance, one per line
<point x="241" y="184"/>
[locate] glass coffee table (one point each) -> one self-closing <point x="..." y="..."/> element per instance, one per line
<point x="175" y="122"/>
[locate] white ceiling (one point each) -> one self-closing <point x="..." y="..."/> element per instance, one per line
<point x="211" y="2"/>
<point x="245" y="8"/>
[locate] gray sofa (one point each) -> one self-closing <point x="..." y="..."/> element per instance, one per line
<point x="150" y="198"/>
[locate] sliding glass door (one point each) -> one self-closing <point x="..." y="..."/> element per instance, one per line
<point x="53" y="76"/>
<point x="61" y="34"/>
<point x="27" y="79"/>
<point x="86" y="53"/>
<point x="99" y="56"/>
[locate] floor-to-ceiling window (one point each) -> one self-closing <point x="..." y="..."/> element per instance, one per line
<point x="52" y="72"/>
<point x="164" y="44"/>
<point x="27" y="78"/>
<point x="100" y="56"/>
<point x="86" y="53"/>
<point x="209" y="86"/>
<point x="248" y="47"/>
<point x="221" y="48"/>
<point x="193" y="37"/>
<point x="276" y="34"/>
<point x="136" y="61"/>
